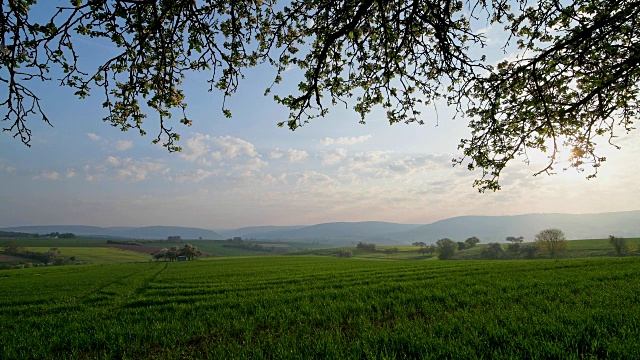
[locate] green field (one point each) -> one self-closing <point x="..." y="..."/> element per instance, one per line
<point x="322" y="307"/>
<point x="49" y="243"/>
<point x="101" y="255"/>
<point x="576" y="249"/>
<point x="98" y="255"/>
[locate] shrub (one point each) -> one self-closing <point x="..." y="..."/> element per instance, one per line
<point x="619" y="245"/>
<point x="551" y="241"/>
<point x="366" y="247"/>
<point x="530" y="251"/>
<point x="446" y="248"/>
<point x="345" y="253"/>
<point x="493" y="251"/>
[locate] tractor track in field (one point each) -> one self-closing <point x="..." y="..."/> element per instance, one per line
<point x="121" y="279"/>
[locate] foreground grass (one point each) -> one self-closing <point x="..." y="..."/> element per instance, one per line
<point x="320" y="307"/>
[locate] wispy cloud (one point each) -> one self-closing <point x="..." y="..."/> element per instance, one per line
<point x="290" y="154"/>
<point x="230" y="147"/>
<point x="333" y="157"/>
<point x="204" y="149"/>
<point x="93" y="137"/>
<point x="196" y="176"/>
<point x="345" y="140"/>
<point x="48" y="175"/>
<point x="6" y="168"/>
<point x="124" y="169"/>
<point x="122" y="145"/>
<point x="70" y="173"/>
<point x="254" y="163"/>
<point x="197" y="149"/>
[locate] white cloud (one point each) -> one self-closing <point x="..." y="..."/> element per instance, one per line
<point x="197" y="149"/>
<point x="366" y="160"/>
<point x="70" y="173"/>
<point x="113" y="161"/>
<point x="431" y="162"/>
<point x="291" y="154"/>
<point x="123" y="145"/>
<point x="195" y="177"/>
<point x="204" y="148"/>
<point x="314" y="178"/>
<point x="345" y="140"/>
<point x="125" y="169"/>
<point x="230" y="147"/>
<point x="48" y="175"/>
<point x="6" y="168"/>
<point x="93" y="136"/>
<point x="251" y="164"/>
<point x="251" y="177"/>
<point x="333" y="157"/>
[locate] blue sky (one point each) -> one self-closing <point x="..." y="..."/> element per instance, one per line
<point x="246" y="171"/>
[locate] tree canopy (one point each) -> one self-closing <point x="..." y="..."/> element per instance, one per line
<point x="573" y="83"/>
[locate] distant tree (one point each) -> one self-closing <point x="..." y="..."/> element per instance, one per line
<point x="515" y="244"/>
<point x="11" y="247"/>
<point x="345" y="253"/>
<point x="160" y="254"/>
<point x="446" y="248"/>
<point x="551" y="241"/>
<point x="462" y="245"/>
<point x="493" y="251"/>
<point x="393" y="250"/>
<point x="53" y="255"/>
<point x="172" y="253"/>
<point x="67" y="236"/>
<point x="174" y="239"/>
<point x="619" y="245"/>
<point x="190" y="251"/>
<point x="529" y="250"/>
<point x="366" y="246"/>
<point x="472" y="241"/>
<point x="419" y="243"/>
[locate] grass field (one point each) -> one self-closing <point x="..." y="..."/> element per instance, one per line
<point x="97" y="255"/>
<point x="49" y="243"/>
<point x="320" y="307"/>
<point x="576" y="249"/>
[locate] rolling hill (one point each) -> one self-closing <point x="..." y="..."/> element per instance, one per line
<point x="147" y="232"/>
<point x="497" y="228"/>
<point x="487" y="228"/>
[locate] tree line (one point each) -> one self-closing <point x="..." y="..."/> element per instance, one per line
<point x="189" y="251"/>
<point x="16" y="234"/>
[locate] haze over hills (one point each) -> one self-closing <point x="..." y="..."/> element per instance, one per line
<point x="497" y="228"/>
<point x="335" y="231"/>
<point x="146" y="232"/>
<point x="487" y="228"/>
<point x="256" y="231"/>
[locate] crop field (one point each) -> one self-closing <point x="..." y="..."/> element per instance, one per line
<point x="49" y="243"/>
<point x="321" y="307"/>
<point x="98" y="255"/>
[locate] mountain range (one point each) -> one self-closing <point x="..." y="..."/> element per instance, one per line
<point x="486" y="228"/>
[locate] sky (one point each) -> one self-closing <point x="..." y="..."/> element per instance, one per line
<point x="245" y="171"/>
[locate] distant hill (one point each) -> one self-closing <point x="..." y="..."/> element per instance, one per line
<point x="487" y="228"/>
<point x="256" y="232"/>
<point x="336" y="231"/>
<point x="147" y="232"/>
<point x="497" y="228"/>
